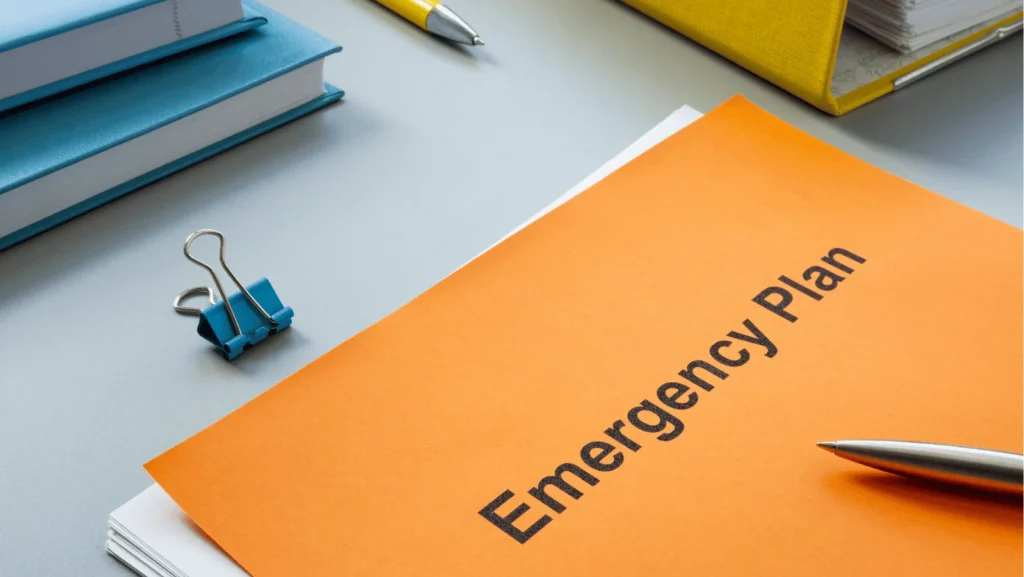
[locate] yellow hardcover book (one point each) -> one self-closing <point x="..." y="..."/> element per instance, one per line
<point x="803" y="46"/>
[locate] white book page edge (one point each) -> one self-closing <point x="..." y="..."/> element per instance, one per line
<point x="86" y="48"/>
<point x="62" y="189"/>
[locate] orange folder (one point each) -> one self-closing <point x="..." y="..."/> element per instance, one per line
<point x="634" y="385"/>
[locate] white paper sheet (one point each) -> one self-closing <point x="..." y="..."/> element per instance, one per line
<point x="150" y="531"/>
<point x="909" y="25"/>
<point x="675" y="122"/>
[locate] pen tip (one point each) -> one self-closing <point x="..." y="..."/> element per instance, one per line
<point x="477" y="41"/>
<point x="829" y="446"/>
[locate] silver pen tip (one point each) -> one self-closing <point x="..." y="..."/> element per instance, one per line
<point x="829" y="446"/>
<point x="477" y="41"/>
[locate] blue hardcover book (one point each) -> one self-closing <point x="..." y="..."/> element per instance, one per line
<point x="70" y="154"/>
<point x="49" y="46"/>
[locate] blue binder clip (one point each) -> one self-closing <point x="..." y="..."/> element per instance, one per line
<point x="238" y="321"/>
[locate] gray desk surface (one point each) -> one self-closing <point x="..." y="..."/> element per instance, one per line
<point x="435" y="153"/>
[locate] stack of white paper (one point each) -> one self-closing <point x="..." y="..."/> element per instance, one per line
<point x="908" y="25"/>
<point x="152" y="536"/>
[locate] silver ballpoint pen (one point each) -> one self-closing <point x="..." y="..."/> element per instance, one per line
<point x="443" y="22"/>
<point x="980" y="469"/>
<point x="436" y="18"/>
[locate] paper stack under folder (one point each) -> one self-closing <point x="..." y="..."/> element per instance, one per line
<point x="154" y="537"/>
<point x="633" y="384"/>
<point x="101" y="98"/>
<point x="908" y="25"/>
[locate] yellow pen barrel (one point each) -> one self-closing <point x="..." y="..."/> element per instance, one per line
<point x="414" y="11"/>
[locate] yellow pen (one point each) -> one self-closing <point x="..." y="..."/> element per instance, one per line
<point x="435" y="18"/>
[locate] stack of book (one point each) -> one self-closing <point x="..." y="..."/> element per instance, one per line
<point x="101" y="98"/>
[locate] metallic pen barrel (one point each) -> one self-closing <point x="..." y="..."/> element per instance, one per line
<point x="436" y="18"/>
<point x="447" y="24"/>
<point x="968" y="467"/>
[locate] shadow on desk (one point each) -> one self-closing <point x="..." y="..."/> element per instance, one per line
<point x="990" y="113"/>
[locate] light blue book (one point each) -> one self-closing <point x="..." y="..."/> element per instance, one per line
<point x="71" y="153"/>
<point x="49" y="46"/>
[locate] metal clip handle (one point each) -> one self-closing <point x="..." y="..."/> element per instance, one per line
<point x="194" y="291"/>
<point x="216" y="282"/>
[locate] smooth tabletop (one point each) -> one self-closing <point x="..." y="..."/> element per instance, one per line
<point x="436" y="152"/>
